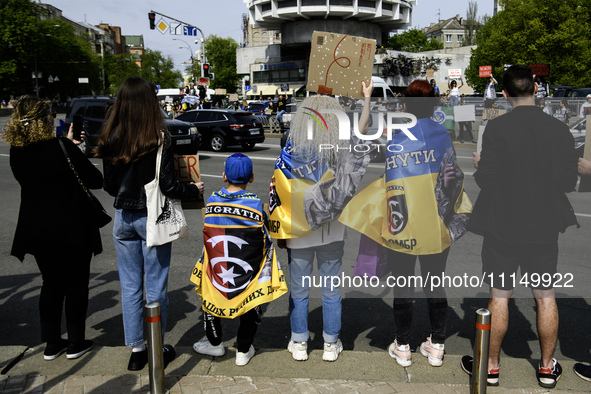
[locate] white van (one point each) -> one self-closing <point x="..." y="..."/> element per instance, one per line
<point x="381" y="89"/>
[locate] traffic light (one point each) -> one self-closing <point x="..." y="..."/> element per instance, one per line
<point x="152" y="17"/>
<point x="205" y="72"/>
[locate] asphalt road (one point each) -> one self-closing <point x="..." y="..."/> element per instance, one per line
<point x="367" y="319"/>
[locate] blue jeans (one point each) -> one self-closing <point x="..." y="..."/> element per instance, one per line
<point x="138" y="263"/>
<point x="329" y="259"/>
<point x="280" y="115"/>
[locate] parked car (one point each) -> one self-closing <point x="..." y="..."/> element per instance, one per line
<point x="221" y="128"/>
<point x="257" y="107"/>
<point x="569" y="91"/>
<point x="93" y="109"/>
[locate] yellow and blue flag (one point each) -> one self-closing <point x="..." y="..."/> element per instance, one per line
<point x="419" y="205"/>
<point x="238" y="269"/>
<point x="292" y="177"/>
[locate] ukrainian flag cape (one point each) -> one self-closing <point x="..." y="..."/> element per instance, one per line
<point x="238" y="269"/>
<point x="419" y="205"/>
<point x="292" y="176"/>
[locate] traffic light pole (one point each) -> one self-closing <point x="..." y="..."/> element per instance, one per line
<point x="203" y="58"/>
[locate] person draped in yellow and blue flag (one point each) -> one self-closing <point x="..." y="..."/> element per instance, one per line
<point x="312" y="182"/>
<point x="238" y="270"/>
<point x="418" y="208"/>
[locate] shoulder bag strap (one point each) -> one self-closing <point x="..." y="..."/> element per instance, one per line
<point x="158" y="160"/>
<point x="88" y="193"/>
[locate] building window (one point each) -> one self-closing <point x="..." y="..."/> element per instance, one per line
<point x="271" y="76"/>
<point x="448" y="38"/>
<point x="460" y="38"/>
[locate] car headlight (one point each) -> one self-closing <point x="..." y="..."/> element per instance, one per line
<point x="193" y="130"/>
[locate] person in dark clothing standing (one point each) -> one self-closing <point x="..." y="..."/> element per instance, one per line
<point x="528" y="163"/>
<point x="281" y="108"/>
<point x="129" y="141"/>
<point x="55" y="222"/>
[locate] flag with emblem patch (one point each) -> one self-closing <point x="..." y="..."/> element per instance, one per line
<point x="419" y="205"/>
<point x="238" y="269"/>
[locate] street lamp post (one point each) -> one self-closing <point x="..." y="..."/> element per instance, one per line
<point x="192" y="58"/>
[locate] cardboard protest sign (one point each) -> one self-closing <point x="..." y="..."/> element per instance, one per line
<point x="339" y="63"/>
<point x="491" y="113"/>
<point x="233" y="97"/>
<point x="484" y="71"/>
<point x="585" y="185"/>
<point x="464" y="113"/>
<point x="220" y="92"/>
<point x="454" y="73"/>
<point x="186" y="168"/>
<point x="540" y="70"/>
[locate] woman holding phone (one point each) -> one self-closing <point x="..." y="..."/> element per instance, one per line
<point x="55" y="221"/>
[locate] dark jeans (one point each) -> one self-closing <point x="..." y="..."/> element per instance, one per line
<point x="465" y="129"/>
<point x="65" y="277"/>
<point x="249" y="323"/>
<point x="404" y="264"/>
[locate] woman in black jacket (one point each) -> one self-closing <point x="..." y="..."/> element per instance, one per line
<point x="129" y="141"/>
<point x="55" y="222"/>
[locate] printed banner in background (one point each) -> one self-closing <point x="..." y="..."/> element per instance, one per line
<point x="416" y="207"/>
<point x="239" y="269"/>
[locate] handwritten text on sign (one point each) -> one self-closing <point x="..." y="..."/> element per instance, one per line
<point x="187" y="168"/>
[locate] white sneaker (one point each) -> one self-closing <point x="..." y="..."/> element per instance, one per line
<point x="332" y="350"/>
<point x="299" y="350"/>
<point x="243" y="358"/>
<point x="205" y="347"/>
<point x="401" y="353"/>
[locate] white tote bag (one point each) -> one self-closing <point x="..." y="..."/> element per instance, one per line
<point x="166" y="220"/>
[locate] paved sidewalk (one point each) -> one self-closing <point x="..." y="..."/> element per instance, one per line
<point x="103" y="370"/>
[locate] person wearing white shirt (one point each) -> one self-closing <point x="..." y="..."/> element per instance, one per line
<point x="586" y="107"/>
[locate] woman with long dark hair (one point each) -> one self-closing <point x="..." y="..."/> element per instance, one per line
<point x="129" y="141"/>
<point x="55" y="221"/>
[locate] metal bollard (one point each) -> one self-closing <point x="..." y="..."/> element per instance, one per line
<point x="155" y="353"/>
<point x="481" y="343"/>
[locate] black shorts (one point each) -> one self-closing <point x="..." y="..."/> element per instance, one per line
<point x="500" y="261"/>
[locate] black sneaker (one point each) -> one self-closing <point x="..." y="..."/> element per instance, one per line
<point x="548" y="377"/>
<point x="169" y="354"/>
<point x="583" y="371"/>
<point x="138" y="360"/>
<point x="77" y="349"/>
<point x="55" y="349"/>
<point x="493" y="374"/>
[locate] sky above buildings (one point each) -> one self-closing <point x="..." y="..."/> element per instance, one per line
<point x="220" y="17"/>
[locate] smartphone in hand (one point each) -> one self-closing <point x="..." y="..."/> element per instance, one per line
<point x="77" y="127"/>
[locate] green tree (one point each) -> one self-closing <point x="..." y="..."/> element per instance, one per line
<point x="471" y="24"/>
<point x="221" y="55"/>
<point x="50" y="47"/>
<point x="117" y="68"/>
<point x="160" y="70"/>
<point x="413" y="40"/>
<point x="554" y="32"/>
